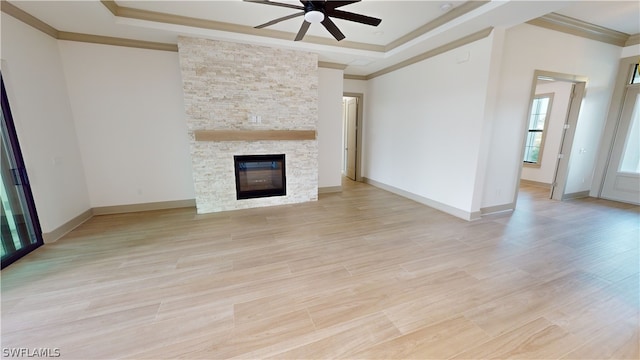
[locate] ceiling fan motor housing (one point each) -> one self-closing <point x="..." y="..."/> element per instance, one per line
<point x="314" y="11"/>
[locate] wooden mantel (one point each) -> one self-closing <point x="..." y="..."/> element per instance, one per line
<point x="253" y="135"/>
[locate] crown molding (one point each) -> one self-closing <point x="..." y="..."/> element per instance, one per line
<point x="569" y="25"/>
<point x="330" y="65"/>
<point x="107" y="40"/>
<point x="551" y="21"/>
<point x="633" y="40"/>
<point x="28" y="19"/>
<point x="158" y="17"/>
<point x="431" y="53"/>
<point x="355" y="77"/>
<point x="38" y="24"/>
<point x="441" y="20"/>
<point x="132" y="13"/>
<point x="111" y="6"/>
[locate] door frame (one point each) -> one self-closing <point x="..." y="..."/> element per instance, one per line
<point x="562" y="167"/>
<point x="28" y="194"/>
<point x="617" y="150"/>
<point x="359" y="126"/>
<point x="613" y="121"/>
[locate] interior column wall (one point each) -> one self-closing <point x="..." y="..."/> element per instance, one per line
<point x="528" y="48"/>
<point x="424" y="127"/>
<point x="329" y="128"/>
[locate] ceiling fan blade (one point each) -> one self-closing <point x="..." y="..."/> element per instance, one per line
<point x="303" y="30"/>
<point x="273" y="22"/>
<point x="330" y="5"/>
<point x="345" y="15"/>
<point x="333" y="29"/>
<point x="267" y="2"/>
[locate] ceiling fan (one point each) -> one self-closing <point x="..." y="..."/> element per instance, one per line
<point x="319" y="12"/>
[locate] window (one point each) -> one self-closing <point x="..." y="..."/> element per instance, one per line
<point x="538" y="119"/>
<point x="635" y="75"/>
<point x="631" y="155"/>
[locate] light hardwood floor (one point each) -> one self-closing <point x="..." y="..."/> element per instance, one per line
<point x="358" y="274"/>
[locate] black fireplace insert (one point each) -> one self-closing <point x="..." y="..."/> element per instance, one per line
<point x="260" y="176"/>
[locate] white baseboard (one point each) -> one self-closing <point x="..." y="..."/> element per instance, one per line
<point x="462" y="214"/>
<point x="161" y="205"/>
<point x="497" y="209"/>
<point x="329" y="189"/>
<point x="65" y="228"/>
<point x="576" y="195"/>
<point x="535" y="183"/>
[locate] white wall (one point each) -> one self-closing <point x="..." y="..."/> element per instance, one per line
<point x="130" y="120"/>
<point x="561" y="95"/>
<point x="633" y="50"/>
<point x="528" y="48"/>
<point x="37" y="91"/>
<point x="424" y="124"/>
<point x="355" y="86"/>
<point x="329" y="127"/>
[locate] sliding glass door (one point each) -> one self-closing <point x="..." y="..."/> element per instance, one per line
<point x="20" y="227"/>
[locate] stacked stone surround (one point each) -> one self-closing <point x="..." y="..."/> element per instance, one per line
<point x="224" y="85"/>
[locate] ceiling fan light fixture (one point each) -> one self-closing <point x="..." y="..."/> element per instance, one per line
<point x="314" y="16"/>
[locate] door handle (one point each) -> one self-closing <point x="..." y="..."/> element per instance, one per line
<point x="16" y="177"/>
<point x="20" y="176"/>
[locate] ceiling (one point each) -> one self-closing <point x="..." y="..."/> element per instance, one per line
<point x="408" y="28"/>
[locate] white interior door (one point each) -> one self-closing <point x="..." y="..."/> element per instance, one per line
<point x="622" y="177"/>
<point x="350" y="141"/>
<point x="558" y="188"/>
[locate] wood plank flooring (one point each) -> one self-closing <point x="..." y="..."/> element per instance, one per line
<point x="362" y="274"/>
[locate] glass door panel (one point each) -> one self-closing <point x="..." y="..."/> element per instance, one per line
<point x="19" y="226"/>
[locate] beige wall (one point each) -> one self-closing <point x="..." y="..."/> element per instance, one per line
<point x="129" y="116"/>
<point x="37" y="91"/>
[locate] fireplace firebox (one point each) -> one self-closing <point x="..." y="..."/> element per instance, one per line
<point x="260" y="176"/>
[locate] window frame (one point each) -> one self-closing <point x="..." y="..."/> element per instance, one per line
<point x="538" y="164"/>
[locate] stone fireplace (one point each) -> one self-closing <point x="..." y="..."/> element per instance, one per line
<point x="237" y="96"/>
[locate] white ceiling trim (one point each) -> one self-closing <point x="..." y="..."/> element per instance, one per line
<point x="190" y="22"/>
<point x="577" y="27"/>
<point x="394" y="55"/>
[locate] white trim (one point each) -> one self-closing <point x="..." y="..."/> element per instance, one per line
<point x="329" y="189"/>
<point x="62" y="230"/>
<point x="162" y="205"/>
<point x="462" y="214"/>
<point x="67" y="227"/>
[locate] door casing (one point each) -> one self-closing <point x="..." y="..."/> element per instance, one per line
<point x="560" y="178"/>
<point x="359" y="128"/>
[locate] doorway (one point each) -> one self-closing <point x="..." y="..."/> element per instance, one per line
<point x="550" y="128"/>
<point x="352" y="136"/>
<point x="622" y="174"/>
<point x="20" y="228"/>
